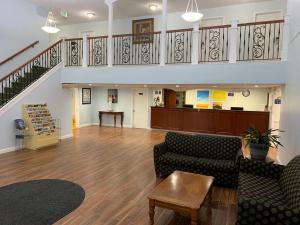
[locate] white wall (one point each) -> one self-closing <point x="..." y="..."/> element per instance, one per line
<point x="89" y="113"/>
<point x="239" y="73"/>
<point x="290" y="117"/>
<point x="20" y="23"/>
<point x="242" y="12"/>
<point x="255" y="102"/>
<point x="50" y="91"/>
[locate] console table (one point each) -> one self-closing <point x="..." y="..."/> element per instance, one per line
<point x="115" y="114"/>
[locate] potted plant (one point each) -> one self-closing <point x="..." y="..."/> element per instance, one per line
<point x="260" y="142"/>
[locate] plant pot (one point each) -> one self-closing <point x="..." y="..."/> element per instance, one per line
<point x="258" y="151"/>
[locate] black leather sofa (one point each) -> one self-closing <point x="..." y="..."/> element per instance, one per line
<point x="269" y="193"/>
<point x="212" y="155"/>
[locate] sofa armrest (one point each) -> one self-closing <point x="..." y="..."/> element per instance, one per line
<point x="159" y="150"/>
<point x="260" y="168"/>
<point x="238" y="157"/>
<point x="251" y="211"/>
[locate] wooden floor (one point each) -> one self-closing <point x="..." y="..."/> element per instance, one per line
<point x="115" y="167"/>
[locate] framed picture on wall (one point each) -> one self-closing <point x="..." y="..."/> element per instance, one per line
<point x="112" y="95"/>
<point x="141" y="27"/>
<point x="86" y="96"/>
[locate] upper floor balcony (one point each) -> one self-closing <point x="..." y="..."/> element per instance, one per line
<point x="230" y="43"/>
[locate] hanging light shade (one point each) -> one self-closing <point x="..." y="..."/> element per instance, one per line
<point x="50" y="25"/>
<point x="192" y="13"/>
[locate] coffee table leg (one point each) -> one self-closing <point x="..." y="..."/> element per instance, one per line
<point x="151" y="211"/>
<point x="194" y="217"/>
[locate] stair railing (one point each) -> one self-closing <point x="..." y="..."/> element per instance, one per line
<point x="16" y="81"/>
<point x="19" y="52"/>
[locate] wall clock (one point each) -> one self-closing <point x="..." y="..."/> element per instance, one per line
<point x="246" y="93"/>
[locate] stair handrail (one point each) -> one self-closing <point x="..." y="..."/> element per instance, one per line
<point x="19" y="52"/>
<point x="29" y="61"/>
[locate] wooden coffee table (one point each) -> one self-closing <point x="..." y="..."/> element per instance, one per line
<point x="181" y="192"/>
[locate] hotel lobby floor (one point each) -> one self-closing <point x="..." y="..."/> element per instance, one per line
<point x="115" y="167"/>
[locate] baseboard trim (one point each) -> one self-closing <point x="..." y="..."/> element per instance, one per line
<point x="66" y="136"/>
<point x="9" y="149"/>
<point x="105" y="125"/>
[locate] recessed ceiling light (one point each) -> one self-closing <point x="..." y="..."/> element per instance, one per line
<point x="215" y="86"/>
<point x="177" y="86"/>
<point x="90" y="15"/>
<point x="153" y="7"/>
<point x="256" y="86"/>
<point x="145" y="85"/>
<point x="90" y="84"/>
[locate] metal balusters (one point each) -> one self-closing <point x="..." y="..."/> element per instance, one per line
<point x="97" y="51"/>
<point x="260" y="40"/>
<point x="213" y="44"/>
<point x="74" y="51"/>
<point x="136" y="49"/>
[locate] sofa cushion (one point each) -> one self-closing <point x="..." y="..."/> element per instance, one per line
<point x="204" y="146"/>
<point x="260" y="189"/>
<point x="184" y="161"/>
<point x="290" y="183"/>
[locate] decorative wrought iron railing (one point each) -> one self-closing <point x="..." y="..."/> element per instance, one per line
<point x="213" y="43"/>
<point x="74" y="51"/>
<point x="179" y="46"/>
<point x="97" y="51"/>
<point x="15" y="82"/>
<point x="260" y="40"/>
<point x="136" y="49"/>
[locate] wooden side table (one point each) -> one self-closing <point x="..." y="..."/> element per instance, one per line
<point x="115" y="114"/>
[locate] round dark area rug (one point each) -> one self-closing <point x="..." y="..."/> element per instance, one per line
<point x="38" y="202"/>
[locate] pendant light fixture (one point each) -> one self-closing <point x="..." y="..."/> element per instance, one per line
<point x="50" y="25"/>
<point x="192" y="13"/>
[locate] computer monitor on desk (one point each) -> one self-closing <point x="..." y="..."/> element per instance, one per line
<point x="237" y="108"/>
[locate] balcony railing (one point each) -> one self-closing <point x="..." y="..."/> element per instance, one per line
<point x="213" y="46"/>
<point x="253" y="41"/>
<point x="260" y="41"/>
<point x="136" y="49"/>
<point x="97" y="51"/>
<point x="74" y="52"/>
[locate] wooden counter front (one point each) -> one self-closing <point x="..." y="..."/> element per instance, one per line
<point x="226" y="122"/>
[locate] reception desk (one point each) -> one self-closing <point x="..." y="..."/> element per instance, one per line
<point x="212" y="121"/>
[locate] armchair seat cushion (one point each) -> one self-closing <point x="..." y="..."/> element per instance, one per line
<point x="259" y="188"/>
<point x="184" y="161"/>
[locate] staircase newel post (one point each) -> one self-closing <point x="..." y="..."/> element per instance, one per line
<point x="85" y="50"/>
<point x="233" y="40"/>
<point x="195" y="44"/>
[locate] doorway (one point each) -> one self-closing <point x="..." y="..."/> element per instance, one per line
<point x="76" y="109"/>
<point x="140" y="108"/>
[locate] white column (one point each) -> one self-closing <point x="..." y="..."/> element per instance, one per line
<point x="195" y="44"/>
<point x="163" y="35"/>
<point x="110" y="5"/>
<point x="63" y="52"/>
<point x="85" y="50"/>
<point x="233" y="35"/>
<point x="286" y="39"/>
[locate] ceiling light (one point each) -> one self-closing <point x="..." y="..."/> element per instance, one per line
<point x="153" y="7"/>
<point x="192" y="13"/>
<point x="177" y="86"/>
<point x="215" y="86"/>
<point x="50" y="25"/>
<point x="145" y="85"/>
<point x="256" y="86"/>
<point x="90" y="15"/>
<point x="90" y="84"/>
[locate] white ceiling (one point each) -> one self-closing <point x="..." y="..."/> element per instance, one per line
<point x="78" y="9"/>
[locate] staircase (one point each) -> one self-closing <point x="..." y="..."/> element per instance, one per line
<point x="17" y="81"/>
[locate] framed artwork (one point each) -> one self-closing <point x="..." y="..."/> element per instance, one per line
<point x="86" y="96"/>
<point x="219" y="95"/>
<point x="112" y="95"/>
<point x="202" y="99"/>
<point x="140" y="27"/>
